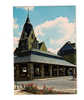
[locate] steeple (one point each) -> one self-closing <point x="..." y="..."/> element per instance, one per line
<point x="28" y="20"/>
<point x="27" y="40"/>
<point x="28" y="13"/>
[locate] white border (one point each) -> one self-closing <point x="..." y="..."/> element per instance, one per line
<point x="43" y="2"/>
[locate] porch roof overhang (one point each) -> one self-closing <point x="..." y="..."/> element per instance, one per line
<point x="36" y="57"/>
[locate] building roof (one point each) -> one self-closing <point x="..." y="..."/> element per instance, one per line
<point x="73" y="45"/>
<point x="68" y="48"/>
<point x="42" y="57"/>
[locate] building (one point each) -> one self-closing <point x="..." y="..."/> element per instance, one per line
<point x="32" y="60"/>
<point x="68" y="52"/>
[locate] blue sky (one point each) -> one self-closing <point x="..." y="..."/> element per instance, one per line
<point x="55" y="25"/>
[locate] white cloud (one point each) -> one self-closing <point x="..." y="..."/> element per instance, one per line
<point x="15" y="25"/>
<point x="58" y="22"/>
<point x="26" y="8"/>
<point x="61" y="26"/>
<point x="16" y="40"/>
<point x="69" y="34"/>
<point x="52" y="41"/>
<point x="61" y="23"/>
<point x="38" y="30"/>
<point x="53" y="50"/>
<point x="30" y="8"/>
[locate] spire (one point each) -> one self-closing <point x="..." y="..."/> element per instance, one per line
<point x="28" y="13"/>
<point x="28" y="20"/>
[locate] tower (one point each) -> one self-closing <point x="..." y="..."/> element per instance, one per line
<point x="25" y="36"/>
<point x="28" y="40"/>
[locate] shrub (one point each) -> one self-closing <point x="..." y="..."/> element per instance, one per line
<point x="33" y="88"/>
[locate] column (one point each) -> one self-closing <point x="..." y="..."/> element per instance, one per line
<point x="63" y="71"/>
<point x="74" y="72"/>
<point x="30" y="71"/>
<point x="17" y="72"/>
<point x="42" y="70"/>
<point x="50" y="69"/>
<point x="57" y="70"/>
<point x="68" y="72"/>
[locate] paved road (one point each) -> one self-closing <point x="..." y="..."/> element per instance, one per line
<point x="59" y="83"/>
